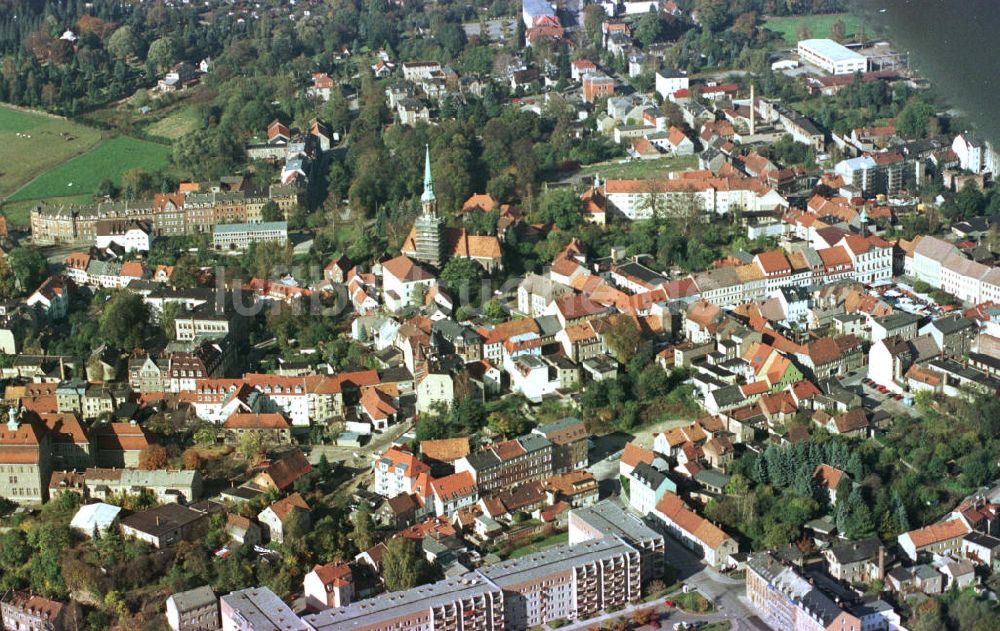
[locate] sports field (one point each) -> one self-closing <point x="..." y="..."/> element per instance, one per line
<point x="820" y="26"/>
<point x="31" y="144"/>
<point x="83" y="174"/>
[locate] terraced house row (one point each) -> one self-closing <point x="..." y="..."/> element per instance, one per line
<point x="190" y="210"/>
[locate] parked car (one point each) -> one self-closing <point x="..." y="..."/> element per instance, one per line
<point x="669" y="603"/>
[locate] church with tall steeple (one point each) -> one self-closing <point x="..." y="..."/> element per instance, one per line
<point x="429" y="228"/>
<point x="433" y="243"/>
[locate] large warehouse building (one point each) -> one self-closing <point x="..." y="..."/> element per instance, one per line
<point x="832" y="57"/>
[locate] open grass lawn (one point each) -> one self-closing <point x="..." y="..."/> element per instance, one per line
<point x="44" y="142"/>
<point x="820" y="26"/>
<point x="548" y="542"/>
<point x="81" y="175"/>
<point x="178" y="123"/>
<point x="640" y="169"/>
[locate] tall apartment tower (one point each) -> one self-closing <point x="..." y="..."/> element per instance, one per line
<point x="429" y="228"/>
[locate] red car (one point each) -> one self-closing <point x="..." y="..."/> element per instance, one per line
<point x="897" y="397"/>
<point x="669" y="603"/>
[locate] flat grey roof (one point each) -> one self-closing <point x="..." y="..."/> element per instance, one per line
<point x="225" y="228"/>
<point x="260" y="608"/>
<point x="610" y="519"/>
<point x="553" y="560"/>
<point x="401" y="604"/>
<point x="831" y="50"/>
<point x="195" y="598"/>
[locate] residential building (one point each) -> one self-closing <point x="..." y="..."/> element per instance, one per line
<point x="695" y="531"/>
<point x="467" y="603"/>
<point x="509" y="463"/>
<point x="194" y="610"/>
<point x="669" y="81"/>
<point x="398" y="471"/>
<point x="257" y="609"/>
<point x="853" y="561"/>
<point x="25" y="461"/>
<point x="454" y="492"/>
<point x="646" y="487"/>
<point x="166" y="485"/>
<point x="21" y="611"/>
<point x="941" y="538"/>
<point x="572" y="582"/>
<point x="239" y="236"/>
<point x="268" y="428"/>
<point x="607" y="519"/>
<point x="405" y="282"/>
<point x="165" y="525"/>
<point x="275" y="516"/>
<point x="118" y="444"/>
<point x="329" y="585"/>
<point x="982" y="549"/>
<point x="577" y="488"/>
<point x="131" y="235"/>
<point x="570" y="443"/>
<point x="281" y="474"/>
<point x="597" y="85"/>
<point x="785" y="599"/>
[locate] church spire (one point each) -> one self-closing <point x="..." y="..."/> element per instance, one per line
<point x="428" y="197"/>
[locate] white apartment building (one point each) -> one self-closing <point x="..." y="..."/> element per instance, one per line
<point x="404" y="280"/>
<point x="239" y="236"/>
<point x="670" y="81"/>
<point x="133" y="236"/>
<point x="871" y="258"/>
<point x="397" y="472"/>
<point x="641" y="199"/>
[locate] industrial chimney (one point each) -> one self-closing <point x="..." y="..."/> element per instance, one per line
<point x="753" y="110"/>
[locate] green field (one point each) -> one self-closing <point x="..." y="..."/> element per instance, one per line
<point x="820" y="26"/>
<point x="82" y="175"/>
<point x="548" y="542"/>
<point x="178" y="123"/>
<point x="625" y="169"/>
<point x="44" y="142"/>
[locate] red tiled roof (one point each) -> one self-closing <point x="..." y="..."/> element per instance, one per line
<point x="121" y="437"/>
<point x="283" y="507"/>
<point x="672" y="507"/>
<point x="827" y="476"/>
<point x="334" y="574"/>
<point x="256" y="421"/>
<point x="287" y="470"/>
<point x="936" y="533"/>
<point x="454" y="486"/>
<point x="633" y="454"/>
<point x="405" y="269"/>
<point x="445" y="449"/>
<point x="773" y="261"/>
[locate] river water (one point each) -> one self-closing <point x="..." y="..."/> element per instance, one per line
<point x="953" y="43"/>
